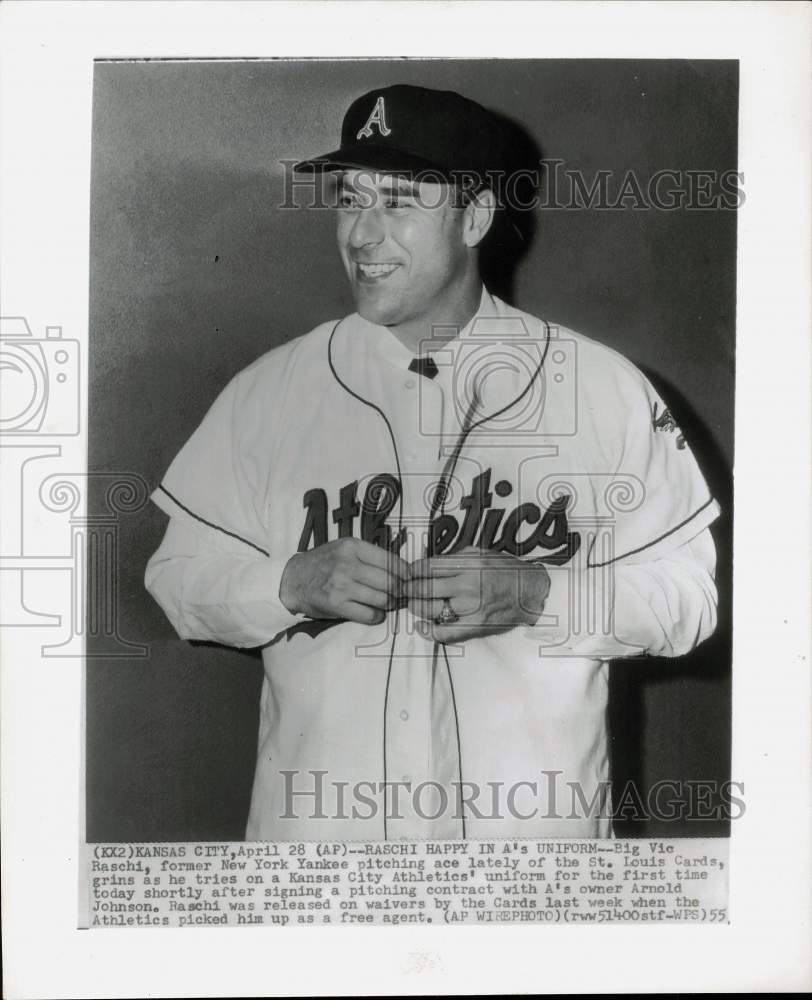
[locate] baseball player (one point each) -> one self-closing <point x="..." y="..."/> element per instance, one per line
<point x="440" y="517"/>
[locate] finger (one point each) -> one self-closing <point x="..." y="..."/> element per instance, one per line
<point x="447" y="634"/>
<point x="359" y="593"/>
<point x="427" y="610"/>
<point x="433" y="566"/>
<point x="378" y="579"/>
<point x="374" y="555"/>
<point x="443" y="634"/>
<point x="456" y="633"/>
<point x="442" y="566"/>
<point x="362" y="614"/>
<point x="462" y="606"/>
<point x="436" y="588"/>
<point x="426" y="589"/>
<point x="425" y="628"/>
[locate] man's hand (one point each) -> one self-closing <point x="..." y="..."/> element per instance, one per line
<point x="348" y="579"/>
<point x="490" y="591"/>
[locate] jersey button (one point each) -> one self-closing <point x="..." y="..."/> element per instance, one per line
<point x="404" y="715"/>
<point x="409" y="383"/>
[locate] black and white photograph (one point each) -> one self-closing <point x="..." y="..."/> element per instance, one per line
<point x="399" y="406"/>
<point x="428" y="367"/>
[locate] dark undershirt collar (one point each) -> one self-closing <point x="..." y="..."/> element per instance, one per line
<point x="424" y="366"/>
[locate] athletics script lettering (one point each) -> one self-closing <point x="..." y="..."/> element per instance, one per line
<point x="551" y="533"/>
<point x="439" y="882"/>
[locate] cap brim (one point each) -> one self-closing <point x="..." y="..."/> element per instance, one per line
<point x="382" y="159"/>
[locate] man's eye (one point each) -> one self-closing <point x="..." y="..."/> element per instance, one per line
<point x="347" y="201"/>
<point x="395" y="203"/>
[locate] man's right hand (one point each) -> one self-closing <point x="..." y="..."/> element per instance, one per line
<point x="348" y="578"/>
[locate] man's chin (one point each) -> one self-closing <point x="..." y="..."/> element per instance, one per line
<point x="377" y="314"/>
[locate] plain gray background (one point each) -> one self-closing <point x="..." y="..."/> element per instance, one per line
<point x="195" y="273"/>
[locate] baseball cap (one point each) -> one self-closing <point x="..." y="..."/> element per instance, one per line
<point x="403" y="129"/>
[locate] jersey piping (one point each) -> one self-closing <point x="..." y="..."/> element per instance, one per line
<point x="654" y="541"/>
<point x="210" y="524"/>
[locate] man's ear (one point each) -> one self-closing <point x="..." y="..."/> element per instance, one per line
<point x="479" y="213"/>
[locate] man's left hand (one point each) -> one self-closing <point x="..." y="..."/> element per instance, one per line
<point x="490" y="591"/>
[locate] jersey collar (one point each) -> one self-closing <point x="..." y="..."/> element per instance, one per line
<point x="494" y="362"/>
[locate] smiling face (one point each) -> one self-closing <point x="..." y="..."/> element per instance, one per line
<point x="408" y="253"/>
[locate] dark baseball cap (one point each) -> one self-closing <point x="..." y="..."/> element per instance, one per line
<point x="410" y="130"/>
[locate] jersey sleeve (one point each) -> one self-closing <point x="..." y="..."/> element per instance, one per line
<point x="664" y="606"/>
<point x="645" y="582"/>
<point x="656" y="498"/>
<point x="213" y="480"/>
<point x="215" y="574"/>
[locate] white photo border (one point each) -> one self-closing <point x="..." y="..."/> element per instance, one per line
<point x="46" y="70"/>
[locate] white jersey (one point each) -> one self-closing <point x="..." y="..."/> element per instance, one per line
<point x="544" y="444"/>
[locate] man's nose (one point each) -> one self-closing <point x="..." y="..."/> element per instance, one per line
<point x="367" y="230"/>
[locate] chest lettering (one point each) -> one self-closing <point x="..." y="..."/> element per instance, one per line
<point x="518" y="531"/>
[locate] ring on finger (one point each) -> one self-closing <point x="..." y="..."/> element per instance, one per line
<point x="448" y="615"/>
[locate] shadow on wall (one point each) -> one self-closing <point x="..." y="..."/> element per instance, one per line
<point x="672" y="681"/>
<point x="513" y="229"/>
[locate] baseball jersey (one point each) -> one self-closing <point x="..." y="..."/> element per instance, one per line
<point x="531" y="440"/>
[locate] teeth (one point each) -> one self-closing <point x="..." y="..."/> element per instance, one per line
<point x="376" y="270"/>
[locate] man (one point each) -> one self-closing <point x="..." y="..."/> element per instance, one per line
<point x="440" y="517"/>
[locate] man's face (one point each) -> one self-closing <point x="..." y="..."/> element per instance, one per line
<point x="402" y="246"/>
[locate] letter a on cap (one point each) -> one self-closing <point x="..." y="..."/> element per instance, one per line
<point x="378" y="117"/>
